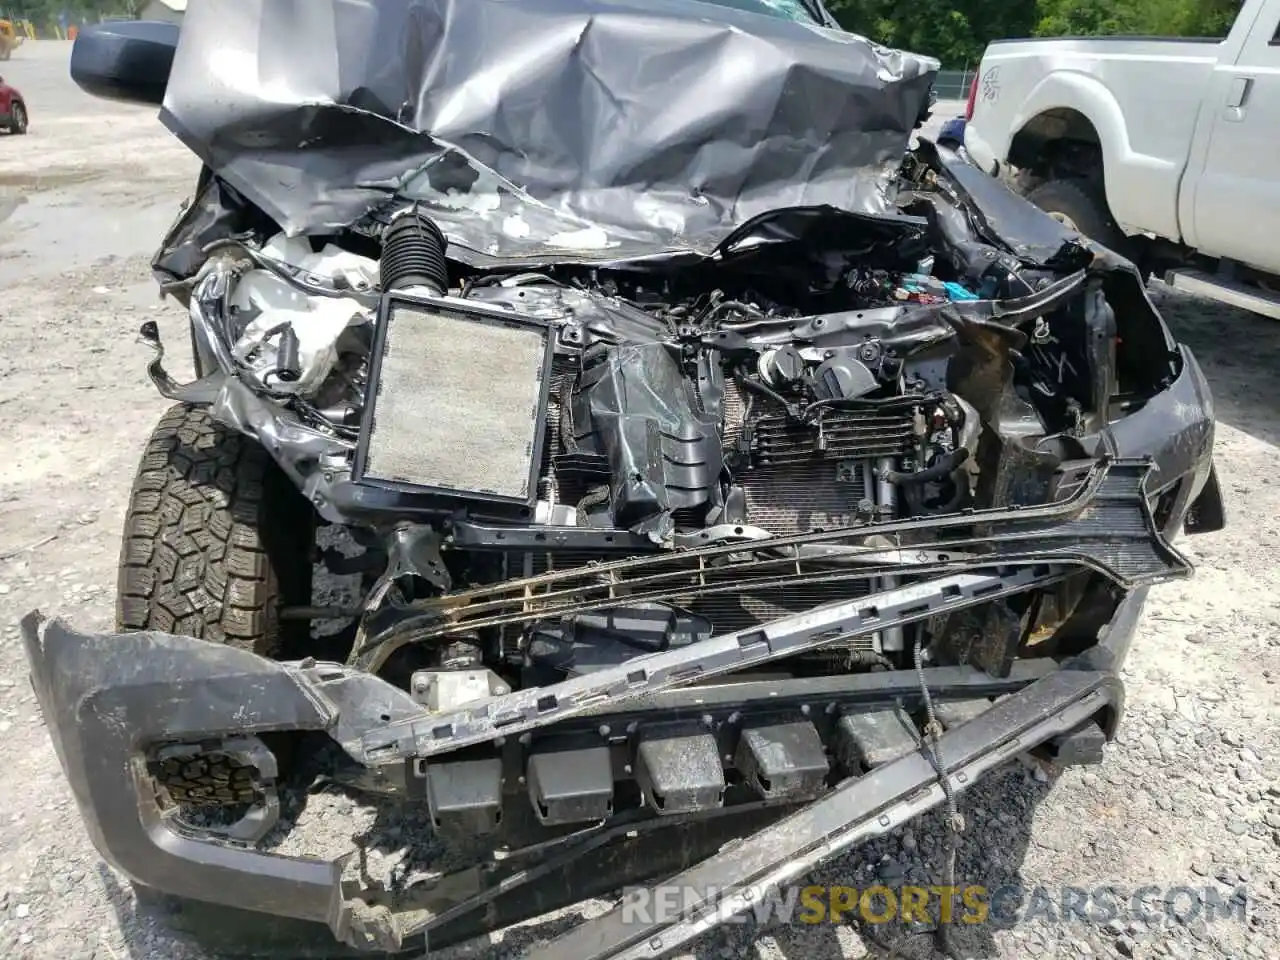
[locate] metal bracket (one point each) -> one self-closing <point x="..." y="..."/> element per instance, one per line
<point x="541" y="706"/>
<point x="1104" y="524"/>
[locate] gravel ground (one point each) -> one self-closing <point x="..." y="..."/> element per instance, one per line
<point x="1190" y="795"/>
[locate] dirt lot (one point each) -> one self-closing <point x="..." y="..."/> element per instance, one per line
<point x="1189" y="797"/>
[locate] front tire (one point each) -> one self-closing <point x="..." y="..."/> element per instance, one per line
<point x="1081" y="205"/>
<point x="18" y="120"/>
<point x="216" y="539"/>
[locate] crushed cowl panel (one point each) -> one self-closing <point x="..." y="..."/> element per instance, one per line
<point x="601" y="128"/>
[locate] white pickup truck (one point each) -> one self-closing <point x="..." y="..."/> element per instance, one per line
<point x="1166" y="150"/>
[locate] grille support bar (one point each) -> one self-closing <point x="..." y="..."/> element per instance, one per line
<point x="1105" y="525"/>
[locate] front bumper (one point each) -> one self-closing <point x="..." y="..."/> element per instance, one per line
<point x="108" y="699"/>
<point x="857" y="811"/>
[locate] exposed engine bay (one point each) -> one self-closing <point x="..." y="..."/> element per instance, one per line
<point x="849" y="369"/>
<point x="693" y="449"/>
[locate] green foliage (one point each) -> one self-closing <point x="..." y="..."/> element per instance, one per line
<point x="1171" y="18"/>
<point x="954" y="31"/>
<point x="951" y="30"/>
<point x="45" y="12"/>
<point x="957" y="31"/>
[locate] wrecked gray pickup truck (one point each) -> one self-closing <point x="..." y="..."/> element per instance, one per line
<point x="712" y="465"/>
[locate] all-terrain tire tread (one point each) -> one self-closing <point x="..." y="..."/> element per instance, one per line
<point x="195" y="558"/>
<point x="212" y="780"/>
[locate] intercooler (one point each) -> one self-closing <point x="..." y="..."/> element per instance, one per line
<point x="457" y="398"/>
<point x="815" y="495"/>
<point x="803" y="478"/>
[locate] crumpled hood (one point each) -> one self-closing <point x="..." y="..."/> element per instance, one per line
<point x="531" y="128"/>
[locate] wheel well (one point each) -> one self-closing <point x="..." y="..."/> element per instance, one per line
<point x="1058" y="142"/>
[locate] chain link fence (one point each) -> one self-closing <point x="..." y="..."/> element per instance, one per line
<point x="954" y="84"/>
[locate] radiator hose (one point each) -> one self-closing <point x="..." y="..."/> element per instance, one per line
<point x="912" y="484"/>
<point x="413" y="254"/>
<point x="945" y="466"/>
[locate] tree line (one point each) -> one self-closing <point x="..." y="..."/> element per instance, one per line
<point x="44" y="13"/>
<point x="954" y="31"/>
<point x="957" y="31"/>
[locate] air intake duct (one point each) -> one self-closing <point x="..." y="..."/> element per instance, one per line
<point x="413" y="255"/>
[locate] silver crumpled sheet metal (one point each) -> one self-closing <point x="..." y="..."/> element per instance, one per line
<point x="556" y="129"/>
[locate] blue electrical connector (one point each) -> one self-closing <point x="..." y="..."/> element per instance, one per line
<point x="957" y="292"/>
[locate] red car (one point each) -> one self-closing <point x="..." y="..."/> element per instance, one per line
<point x="13" y="109"/>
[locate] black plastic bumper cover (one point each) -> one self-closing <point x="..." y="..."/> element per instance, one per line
<point x="106" y="698"/>
<point x="856" y="811"/>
